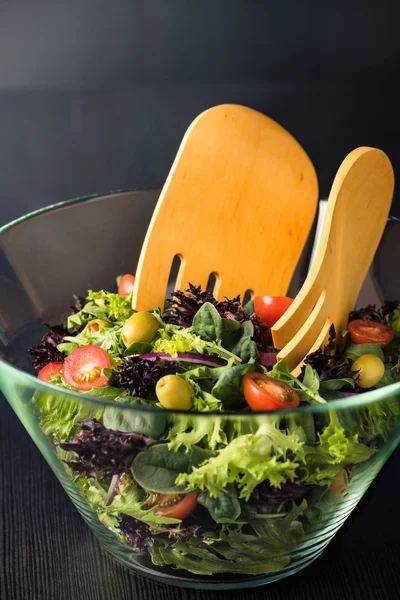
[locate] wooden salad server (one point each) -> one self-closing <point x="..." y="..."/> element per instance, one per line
<point x="239" y="203"/>
<point x="356" y="215"/>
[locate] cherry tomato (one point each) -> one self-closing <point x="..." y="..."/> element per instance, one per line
<point x="83" y="368"/>
<point x="176" y="506"/>
<point x="54" y="367"/>
<point x="266" y="393"/>
<point x="271" y="308"/>
<point x="125" y="286"/>
<point x="369" y="332"/>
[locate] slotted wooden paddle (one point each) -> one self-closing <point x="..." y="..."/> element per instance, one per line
<point x="357" y="210"/>
<point x="238" y="202"/>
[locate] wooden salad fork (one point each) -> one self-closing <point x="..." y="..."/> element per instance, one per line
<point x="356" y="214"/>
<point x="239" y="203"/>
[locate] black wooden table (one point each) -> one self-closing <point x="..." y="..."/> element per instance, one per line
<point x="48" y="553"/>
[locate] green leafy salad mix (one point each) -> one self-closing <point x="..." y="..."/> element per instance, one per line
<point x="198" y="488"/>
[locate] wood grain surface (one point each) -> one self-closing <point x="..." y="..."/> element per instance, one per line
<point x="48" y="553"/>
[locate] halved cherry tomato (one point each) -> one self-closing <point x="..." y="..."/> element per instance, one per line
<point x="83" y="368"/>
<point x="271" y="308"/>
<point x="176" y="506"/>
<point x="266" y="393"/>
<point x="369" y="332"/>
<point x="125" y="286"/>
<point x="54" y="367"/>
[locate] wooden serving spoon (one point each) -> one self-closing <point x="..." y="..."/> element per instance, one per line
<point x="356" y="215"/>
<point x="238" y="202"/>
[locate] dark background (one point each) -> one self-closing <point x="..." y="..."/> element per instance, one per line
<point x="95" y="96"/>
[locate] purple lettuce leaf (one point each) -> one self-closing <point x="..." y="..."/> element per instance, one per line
<point x="102" y="452"/>
<point x="328" y="365"/>
<point x="265" y="493"/>
<point x="140" y="376"/>
<point x="136" y="533"/>
<point x="46" y="351"/>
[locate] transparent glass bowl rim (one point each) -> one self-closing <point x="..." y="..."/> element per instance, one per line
<point x="363" y="400"/>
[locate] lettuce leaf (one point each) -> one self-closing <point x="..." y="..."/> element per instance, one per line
<point x="334" y="451"/>
<point x="130" y="499"/>
<point x="61" y="416"/>
<point x="187" y="431"/>
<point x="115" y="307"/>
<point x="203" y="401"/>
<point x="201" y="558"/>
<point x="174" y="339"/>
<point x="95" y="494"/>
<point x="247" y="461"/>
<point x="266" y="550"/>
<point x="379" y="419"/>
<point x="80" y="319"/>
<point x="102" y="305"/>
<point x="109" y="339"/>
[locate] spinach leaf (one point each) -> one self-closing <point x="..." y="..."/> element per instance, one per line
<point x="249" y="307"/>
<point x="355" y="350"/>
<point x="228" y="386"/>
<point x="245" y="348"/>
<point x="107" y="392"/>
<point x="394" y="321"/>
<point x="392" y="350"/>
<point x="210" y="326"/>
<point x="223" y="509"/>
<point x="141" y="421"/>
<point x="138" y="348"/>
<point x="311" y="379"/>
<point x="349" y="418"/>
<point x="157" y="468"/>
<point x="303" y="426"/>
<point x="336" y="384"/>
<point x="387" y="378"/>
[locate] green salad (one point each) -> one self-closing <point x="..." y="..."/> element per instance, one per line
<point x="179" y="476"/>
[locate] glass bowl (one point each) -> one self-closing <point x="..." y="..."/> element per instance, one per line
<point x="83" y="244"/>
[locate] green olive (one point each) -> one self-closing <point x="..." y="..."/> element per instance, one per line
<point x="140" y="327"/>
<point x="339" y="484"/>
<point x="95" y="324"/>
<point x="174" y="392"/>
<point x="370" y="370"/>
